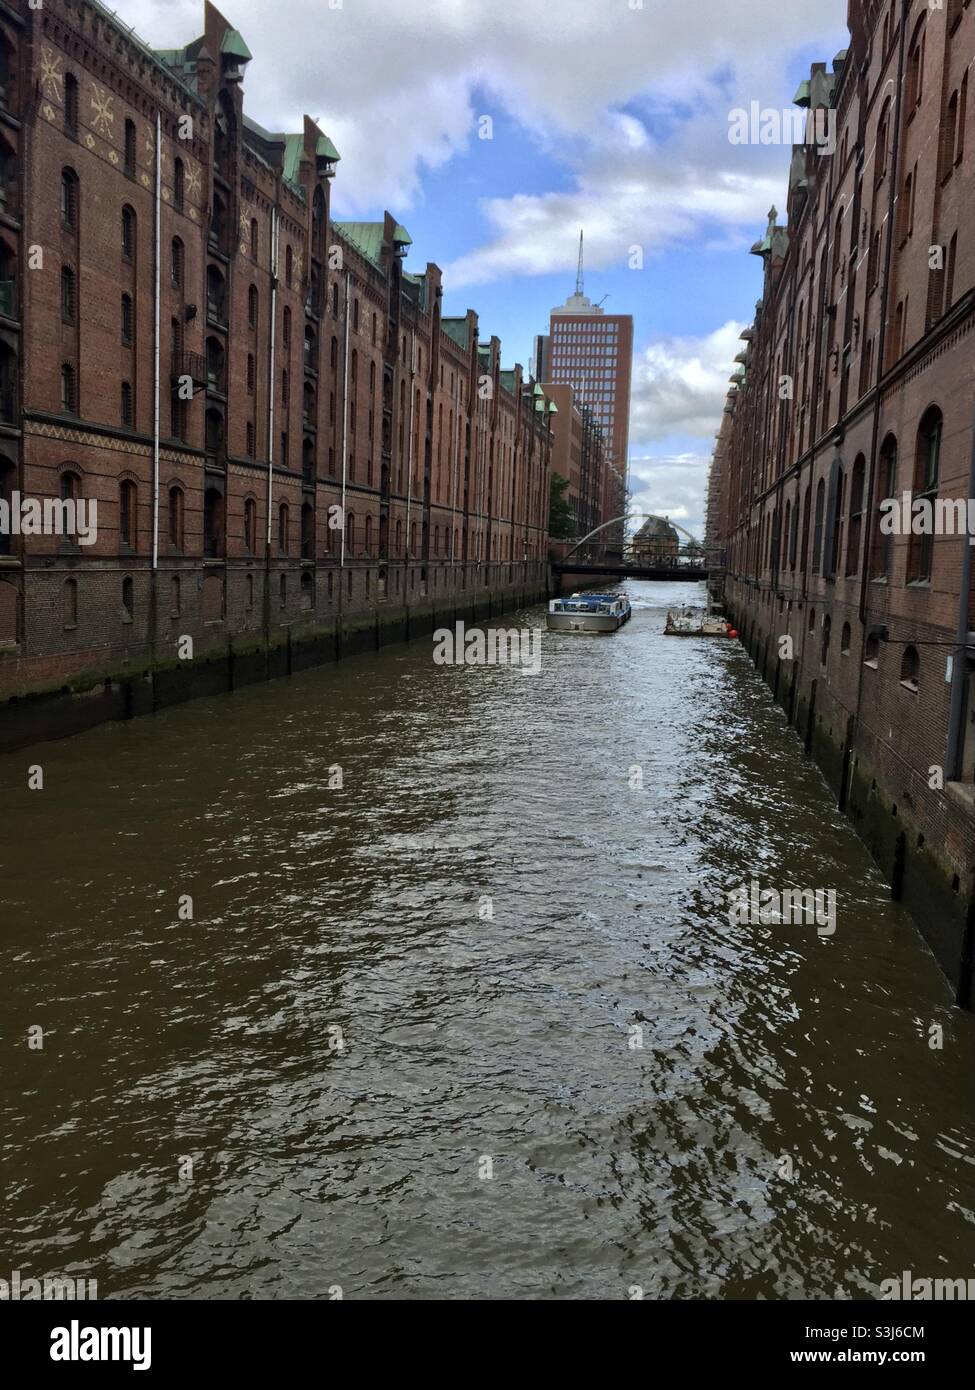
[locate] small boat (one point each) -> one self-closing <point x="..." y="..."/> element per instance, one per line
<point x="588" y="613"/>
<point x="696" y="622"/>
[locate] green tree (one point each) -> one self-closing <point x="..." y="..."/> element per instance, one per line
<point x="561" y="522"/>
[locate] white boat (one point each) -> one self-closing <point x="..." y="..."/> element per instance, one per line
<point x="695" y="622"/>
<point x="588" y="613"/>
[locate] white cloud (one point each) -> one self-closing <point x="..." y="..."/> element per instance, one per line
<point x="679" y="385"/>
<point x="394" y="82"/>
<point x="671" y="485"/>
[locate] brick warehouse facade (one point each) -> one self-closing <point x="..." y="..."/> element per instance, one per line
<point x="855" y="384"/>
<point x="325" y="453"/>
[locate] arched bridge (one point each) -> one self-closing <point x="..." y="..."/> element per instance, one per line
<point x="688" y="560"/>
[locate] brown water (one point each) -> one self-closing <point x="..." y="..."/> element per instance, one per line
<point x="468" y="1038"/>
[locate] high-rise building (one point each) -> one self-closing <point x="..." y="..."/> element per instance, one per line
<point x="592" y="352"/>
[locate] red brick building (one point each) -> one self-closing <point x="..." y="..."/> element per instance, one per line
<point x="855" y="384"/>
<point x="578" y="454"/>
<point x="279" y="428"/>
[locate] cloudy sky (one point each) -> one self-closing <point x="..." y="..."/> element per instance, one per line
<point x="612" y="115"/>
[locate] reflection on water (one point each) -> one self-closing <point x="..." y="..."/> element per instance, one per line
<point x="490" y="949"/>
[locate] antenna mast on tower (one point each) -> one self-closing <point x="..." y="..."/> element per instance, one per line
<point x="579" y="271"/>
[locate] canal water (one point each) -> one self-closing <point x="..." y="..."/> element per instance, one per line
<point x="476" y="1022"/>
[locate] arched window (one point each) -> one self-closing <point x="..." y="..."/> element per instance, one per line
<point x="910" y="669"/>
<point x="70" y="487"/>
<point x="289" y="265"/>
<point x="216" y="295"/>
<point x="335" y="299"/>
<point x="883" y="142"/>
<point x="212" y="523"/>
<point x="818" y="527"/>
<point x="307" y="531"/>
<point x="926" y="469"/>
<point x="70" y="104"/>
<point x="69" y="199"/>
<point x="880" y="544"/>
<point x="128" y="406"/>
<point x="130" y="148"/>
<point x="69" y="389"/>
<point x="309" y="346"/>
<point x="333" y="356"/>
<point x="350" y="533"/>
<point x="915" y="69"/>
<point x="179" y="185"/>
<point x="69" y="603"/>
<point x="254" y="238"/>
<point x="252" y="307"/>
<point x="283" y="591"/>
<point x="835" y="503"/>
<point x="399" y="537"/>
<point x="176" y="518"/>
<point x="250" y="526"/>
<point x="846" y="637"/>
<point x="871" y="651"/>
<point x="307" y="590"/>
<point x="856" y="515"/>
<point x="128" y="233"/>
<point x="824" y="647"/>
<point x="128" y="599"/>
<point x="368" y="536"/>
<point x="177" y="263"/>
<point x="216" y="364"/>
<point x="283" y="529"/>
<point x="286" y="327"/>
<point x="68" y="297"/>
<point x="175" y="602"/>
<point x="127" y="499"/>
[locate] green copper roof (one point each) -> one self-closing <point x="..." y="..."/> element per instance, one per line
<point x="367" y="237"/>
<point x="552" y="408"/>
<point x="294" y="148"/>
<point x="538" y="390"/>
<point x="326" y="150"/>
<point x="801" y="97"/>
<point x="457" y="330"/>
<point x="508" y="381"/>
<point x="233" y="43"/>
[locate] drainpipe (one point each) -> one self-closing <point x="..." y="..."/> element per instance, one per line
<point x="345" y="414"/>
<point x="956" y="740"/>
<point x="155" y="333"/>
